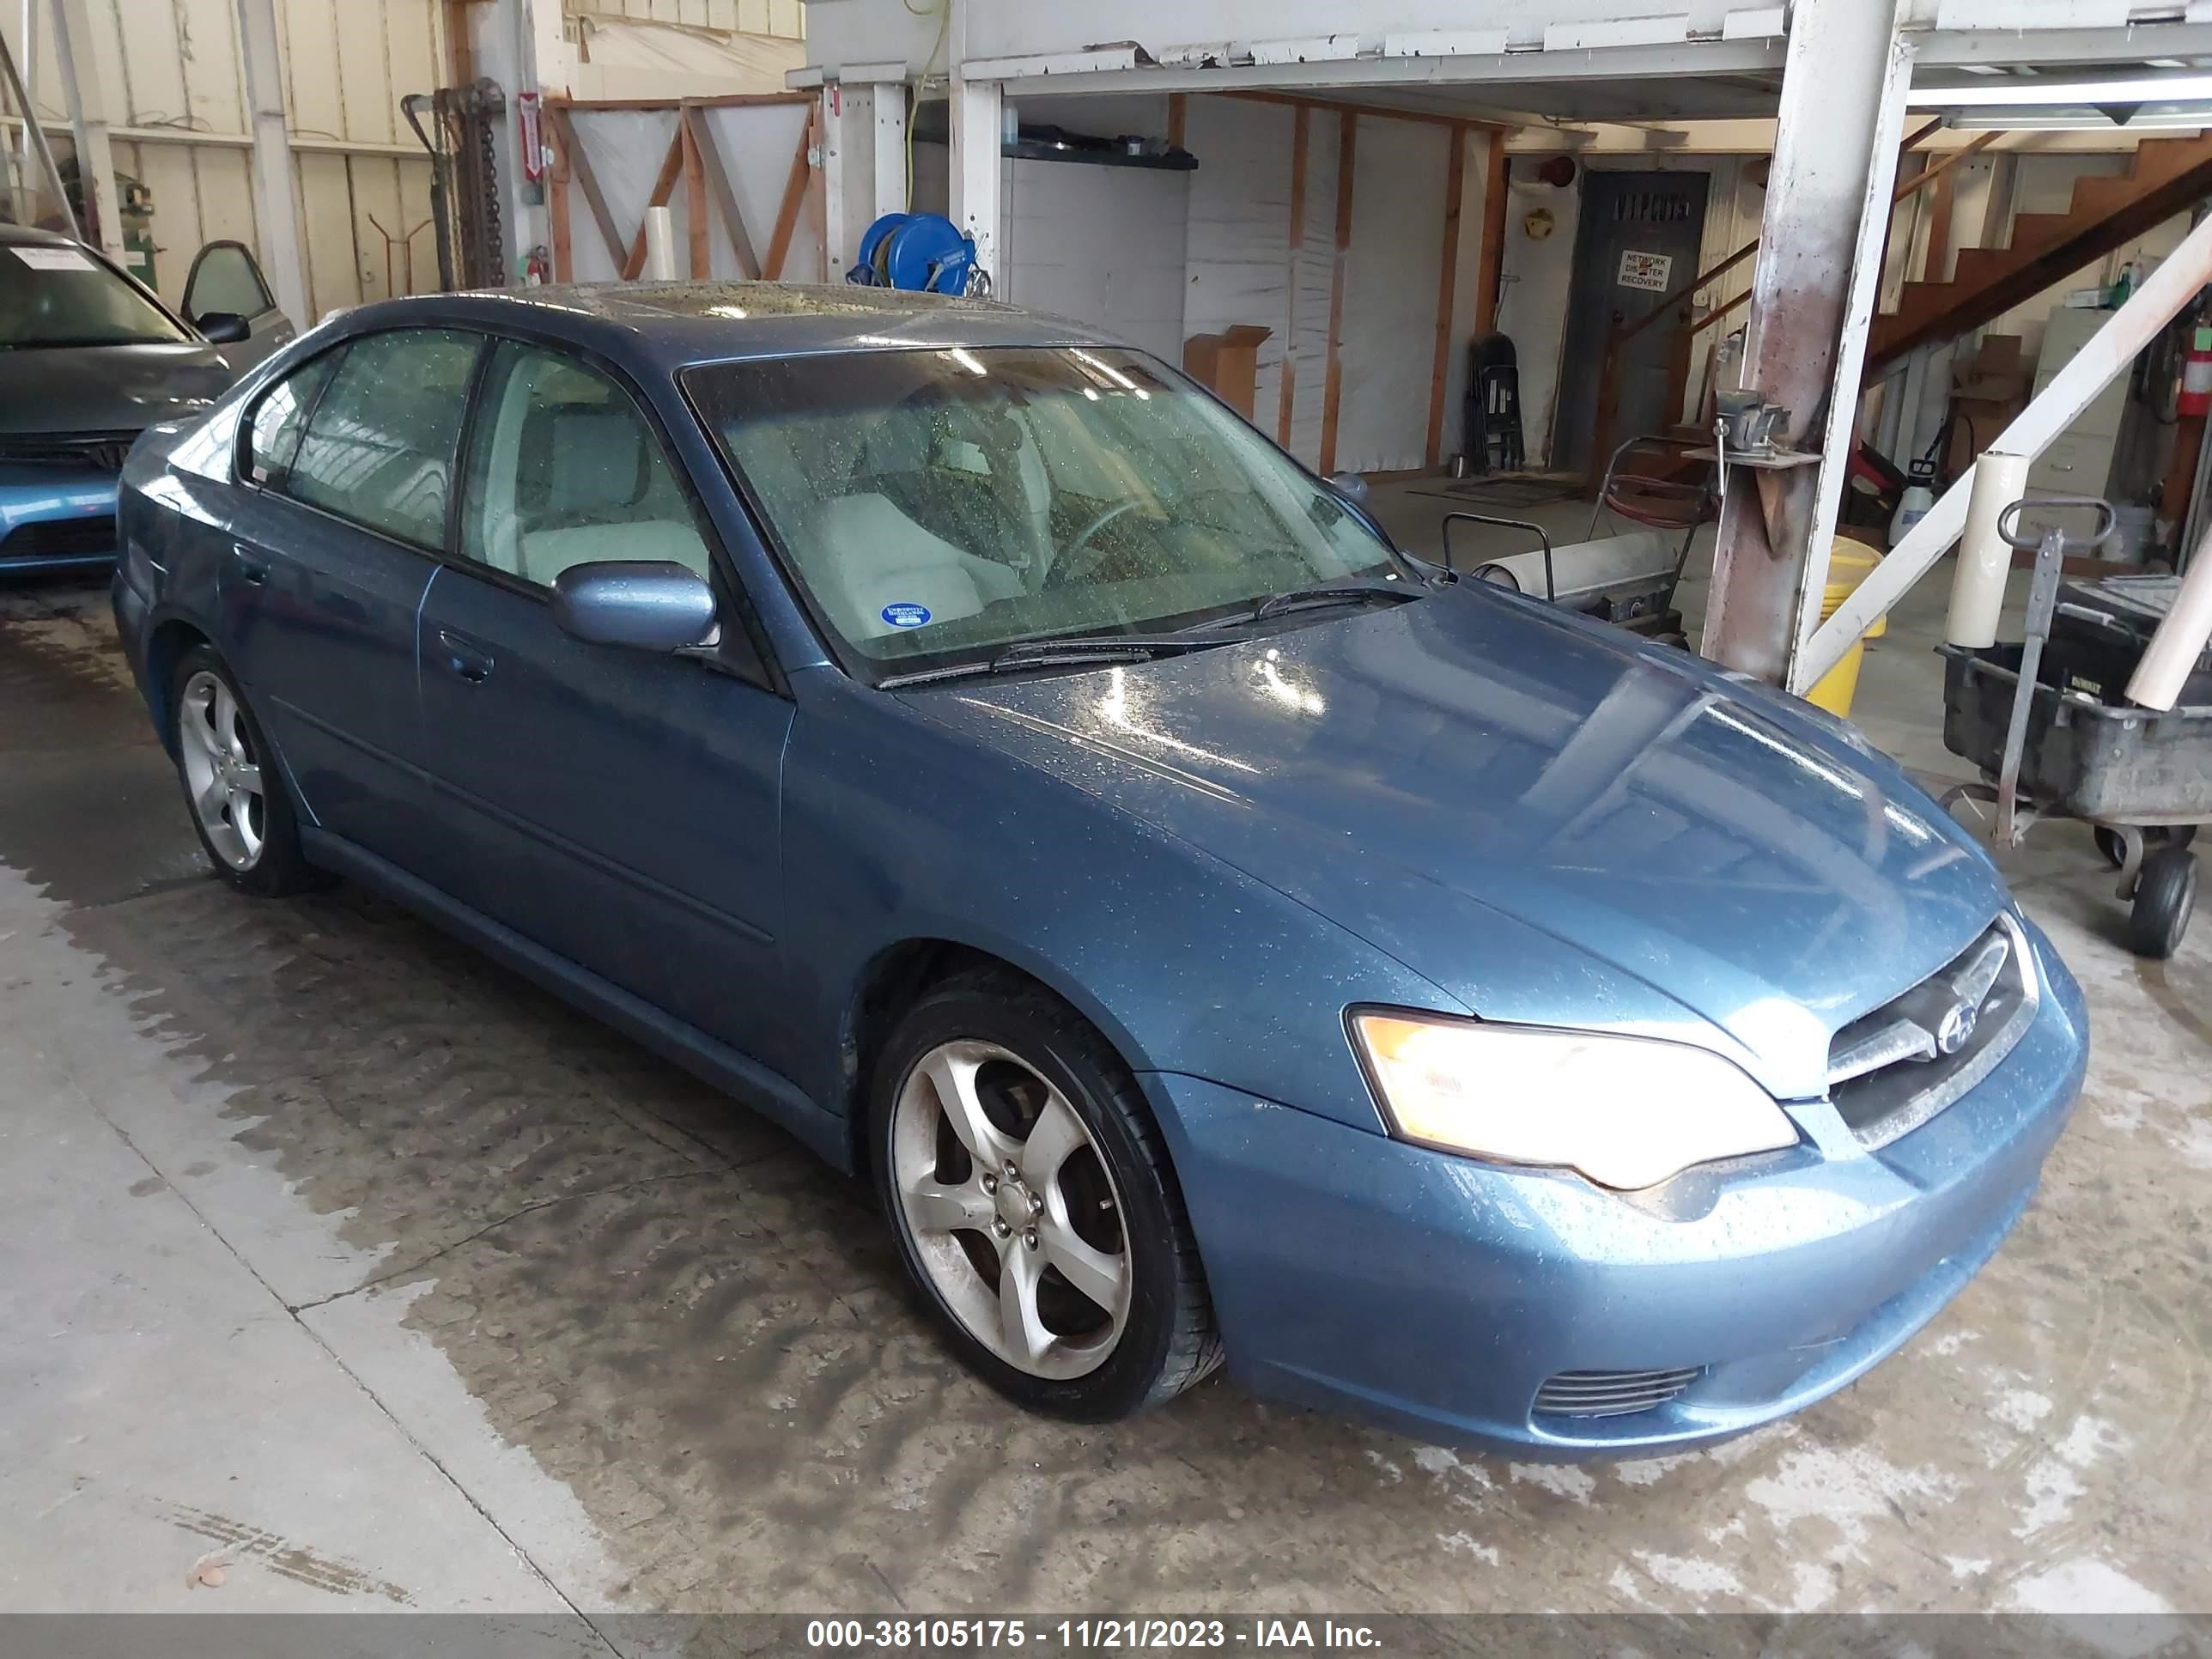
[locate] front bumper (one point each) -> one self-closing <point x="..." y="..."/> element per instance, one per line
<point x="55" y="519"/>
<point x="1437" y="1294"/>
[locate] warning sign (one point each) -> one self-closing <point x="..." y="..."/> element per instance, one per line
<point x="1646" y="270"/>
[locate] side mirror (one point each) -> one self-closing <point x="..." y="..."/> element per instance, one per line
<point x="646" y="606"/>
<point x="1350" y="485"/>
<point x="224" y="327"/>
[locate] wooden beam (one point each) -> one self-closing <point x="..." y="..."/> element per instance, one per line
<point x="1936" y="261"/>
<point x="694" y="203"/>
<point x="1300" y="131"/>
<point x="1942" y="164"/>
<point x="1178" y="118"/>
<point x="1348" y="155"/>
<point x="663" y="186"/>
<point x="794" y="197"/>
<point x="581" y="159"/>
<point x="1490" y="260"/>
<point x="1447" y="293"/>
<point x="725" y="197"/>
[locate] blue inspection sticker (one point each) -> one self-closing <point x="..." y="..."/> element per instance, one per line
<point x="905" y="615"/>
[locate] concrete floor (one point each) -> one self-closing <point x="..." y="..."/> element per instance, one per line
<point x="335" y="1257"/>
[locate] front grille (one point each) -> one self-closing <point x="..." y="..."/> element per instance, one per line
<point x="1893" y="1069"/>
<point x="1612" y="1394"/>
<point x="94" y="452"/>
<point x="60" y="538"/>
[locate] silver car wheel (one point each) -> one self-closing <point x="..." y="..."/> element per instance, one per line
<point x="1011" y="1209"/>
<point x="222" y="775"/>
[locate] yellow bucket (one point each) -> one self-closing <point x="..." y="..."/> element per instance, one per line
<point x="1850" y="563"/>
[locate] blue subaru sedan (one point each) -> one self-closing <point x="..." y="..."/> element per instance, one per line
<point x="1217" y="936"/>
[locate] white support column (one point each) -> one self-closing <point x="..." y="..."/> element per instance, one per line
<point x="87" y="112"/>
<point x="831" y="131"/>
<point x="976" y="168"/>
<point x="27" y="72"/>
<point x="276" y="206"/>
<point x="1812" y="294"/>
<point x="891" y="147"/>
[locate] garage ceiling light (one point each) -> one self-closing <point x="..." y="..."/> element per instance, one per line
<point x="2035" y="90"/>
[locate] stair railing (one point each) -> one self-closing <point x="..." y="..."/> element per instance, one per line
<point x="1621" y="332"/>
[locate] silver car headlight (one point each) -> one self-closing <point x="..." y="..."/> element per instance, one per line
<point x="1627" y="1112"/>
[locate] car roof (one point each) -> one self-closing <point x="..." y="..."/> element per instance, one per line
<point x="672" y="325"/>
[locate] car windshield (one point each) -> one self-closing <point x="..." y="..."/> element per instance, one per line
<point x="940" y="506"/>
<point x="52" y="294"/>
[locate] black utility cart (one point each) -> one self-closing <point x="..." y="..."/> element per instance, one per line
<point x="2047" y="722"/>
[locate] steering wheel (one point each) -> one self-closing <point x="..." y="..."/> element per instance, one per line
<point x="1068" y="563"/>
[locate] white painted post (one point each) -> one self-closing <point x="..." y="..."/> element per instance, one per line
<point x="1977" y="586"/>
<point x="660" y="245"/>
<point x="831" y="130"/>
<point x="27" y="74"/>
<point x="87" y="112"/>
<point x="891" y="147"/>
<point x="275" y="207"/>
<point x="1862" y="292"/>
<point x="2108" y="353"/>
<point x="976" y="169"/>
<point x="2172" y="654"/>
<point x="1812" y="292"/>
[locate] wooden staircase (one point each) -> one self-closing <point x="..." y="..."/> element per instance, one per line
<point x="2166" y="176"/>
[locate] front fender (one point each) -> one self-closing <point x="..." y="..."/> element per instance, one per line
<point x="897" y="829"/>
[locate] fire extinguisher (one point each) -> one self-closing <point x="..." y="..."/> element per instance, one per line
<point x="2196" y="398"/>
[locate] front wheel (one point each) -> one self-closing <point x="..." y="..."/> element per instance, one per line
<point x="1033" y="1204"/>
<point x="232" y="784"/>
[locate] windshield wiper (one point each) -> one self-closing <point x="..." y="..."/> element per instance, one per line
<point x="1081" y="650"/>
<point x="1382" y="592"/>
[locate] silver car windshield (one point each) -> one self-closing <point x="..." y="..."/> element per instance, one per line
<point x="941" y="505"/>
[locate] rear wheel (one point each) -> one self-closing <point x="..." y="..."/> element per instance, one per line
<point x="2166" y="897"/>
<point x="237" y="796"/>
<point x="1033" y="1203"/>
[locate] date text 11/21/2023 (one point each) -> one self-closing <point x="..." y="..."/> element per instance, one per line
<point x="1083" y="1635"/>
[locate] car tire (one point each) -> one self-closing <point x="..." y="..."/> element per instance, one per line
<point x="2166" y="897"/>
<point x="233" y="789"/>
<point x="1074" y="1189"/>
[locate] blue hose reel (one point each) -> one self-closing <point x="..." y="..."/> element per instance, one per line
<point x="923" y="252"/>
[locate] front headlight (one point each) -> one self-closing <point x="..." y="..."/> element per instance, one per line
<point x="1627" y="1112"/>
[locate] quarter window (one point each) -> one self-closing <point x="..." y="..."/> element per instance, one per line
<point x="379" y="447"/>
<point x="279" y="417"/>
<point x="564" y="469"/>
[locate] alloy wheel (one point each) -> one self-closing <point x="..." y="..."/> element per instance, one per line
<point x="1013" y="1212"/>
<point x="222" y="775"/>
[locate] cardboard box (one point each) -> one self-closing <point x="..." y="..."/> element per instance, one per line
<point x="1987" y="390"/>
<point x="1227" y="363"/>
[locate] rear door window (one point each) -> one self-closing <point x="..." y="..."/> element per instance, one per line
<point x="379" y="447"/>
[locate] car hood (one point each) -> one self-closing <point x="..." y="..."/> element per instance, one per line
<point x="53" y="390"/>
<point x="1423" y="774"/>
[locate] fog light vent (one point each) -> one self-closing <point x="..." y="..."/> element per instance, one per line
<point x="1612" y="1394"/>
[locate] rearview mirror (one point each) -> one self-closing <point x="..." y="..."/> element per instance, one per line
<point x="224" y="327"/>
<point x="646" y="606"/>
<point x="1350" y="485"/>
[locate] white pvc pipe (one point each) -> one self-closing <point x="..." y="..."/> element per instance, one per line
<point x="1977" y="586"/>
<point x="2181" y="638"/>
<point x="660" y="245"/>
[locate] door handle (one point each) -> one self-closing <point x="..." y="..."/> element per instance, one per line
<point x="464" y="659"/>
<point x="252" y="566"/>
